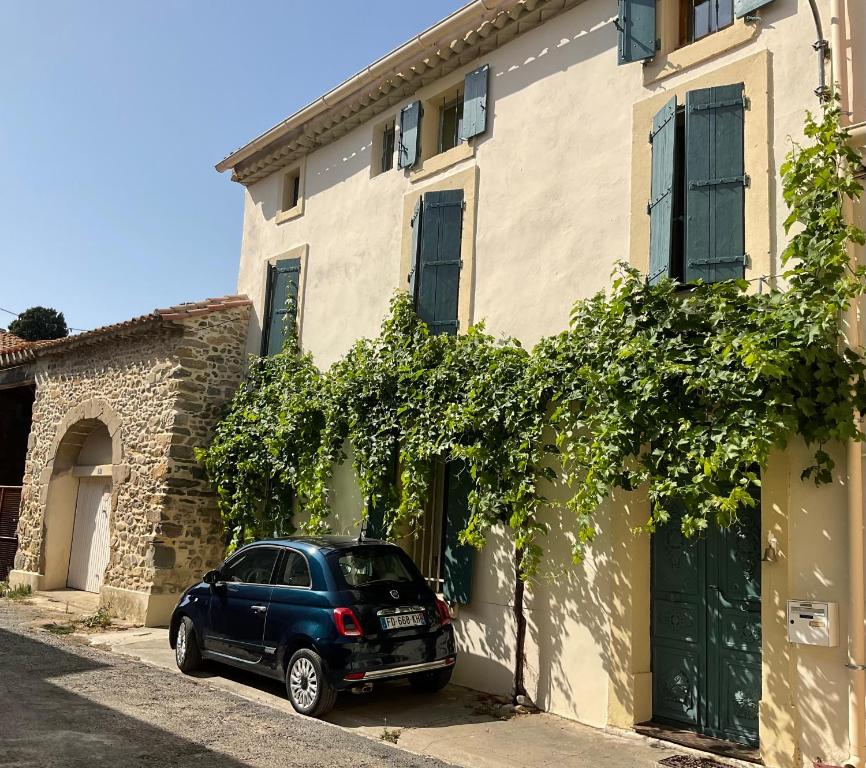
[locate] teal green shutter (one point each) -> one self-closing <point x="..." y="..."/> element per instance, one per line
<point x="457" y="559"/>
<point x="281" y="304"/>
<point x="661" y="206"/>
<point x="475" y="103"/>
<point x="410" y="135"/>
<point x="745" y="7"/>
<point x="715" y="184"/>
<point x="415" y="255"/>
<point x="439" y="259"/>
<point x="636" y="23"/>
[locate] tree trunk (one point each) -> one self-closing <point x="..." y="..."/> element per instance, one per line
<point x="520" y="623"/>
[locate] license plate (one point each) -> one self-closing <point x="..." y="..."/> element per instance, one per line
<point x="401" y="620"/>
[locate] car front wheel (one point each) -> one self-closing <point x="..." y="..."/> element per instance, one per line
<point x="432" y="681"/>
<point x="186" y="651"/>
<point x="309" y="690"/>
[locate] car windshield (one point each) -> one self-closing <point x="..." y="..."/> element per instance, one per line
<point x="363" y="566"/>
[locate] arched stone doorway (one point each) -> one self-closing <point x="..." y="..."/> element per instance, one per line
<point x="79" y="500"/>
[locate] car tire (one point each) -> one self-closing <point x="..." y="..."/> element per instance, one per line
<point x="186" y="650"/>
<point x="432" y="681"/>
<point x="307" y="685"/>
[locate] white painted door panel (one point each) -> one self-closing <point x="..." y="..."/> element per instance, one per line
<point x="89" y="555"/>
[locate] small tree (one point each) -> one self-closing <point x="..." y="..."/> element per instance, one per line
<point x="39" y="323"/>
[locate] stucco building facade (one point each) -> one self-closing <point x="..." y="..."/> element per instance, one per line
<point x="113" y="501"/>
<point x="541" y="123"/>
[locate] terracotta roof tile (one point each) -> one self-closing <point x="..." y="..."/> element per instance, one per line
<point x="9" y="341"/>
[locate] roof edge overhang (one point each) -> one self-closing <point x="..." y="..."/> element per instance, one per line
<point x="472" y="31"/>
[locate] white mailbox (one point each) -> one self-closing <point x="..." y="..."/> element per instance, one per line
<point x="812" y="622"/>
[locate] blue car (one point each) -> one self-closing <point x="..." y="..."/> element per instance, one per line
<point x="324" y="614"/>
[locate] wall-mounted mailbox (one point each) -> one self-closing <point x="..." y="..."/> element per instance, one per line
<point x="813" y="623"/>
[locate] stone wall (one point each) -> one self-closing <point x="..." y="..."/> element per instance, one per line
<point x="159" y="390"/>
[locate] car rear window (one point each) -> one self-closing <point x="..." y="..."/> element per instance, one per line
<point x="372" y="565"/>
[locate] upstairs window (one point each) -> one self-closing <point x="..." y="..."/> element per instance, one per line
<point x="388" y="137"/>
<point x="281" y="305"/>
<point x="703" y="17"/>
<point x="697" y="195"/>
<point x="291" y="189"/>
<point x="450" y="123"/>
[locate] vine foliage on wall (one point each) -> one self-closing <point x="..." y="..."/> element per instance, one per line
<point x="681" y="390"/>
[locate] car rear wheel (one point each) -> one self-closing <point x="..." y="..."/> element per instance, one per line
<point x="186" y="651"/>
<point x="432" y="681"/>
<point x="309" y="690"/>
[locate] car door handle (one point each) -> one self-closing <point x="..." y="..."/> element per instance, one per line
<point x="258" y="608"/>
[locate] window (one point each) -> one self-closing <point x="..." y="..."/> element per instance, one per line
<point x="281" y="305"/>
<point x="388" y="136"/>
<point x="450" y="123"/>
<point x="427" y="544"/>
<point x="296" y="571"/>
<point x="368" y="565"/>
<point x="252" y="566"/>
<point x="697" y="195"/>
<point x="700" y="18"/>
<point x="292" y="189"/>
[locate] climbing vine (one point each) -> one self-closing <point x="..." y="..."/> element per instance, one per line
<point x="683" y="391"/>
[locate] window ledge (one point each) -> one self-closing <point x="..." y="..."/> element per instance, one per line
<point x="290" y="214"/>
<point x="433" y="165"/>
<point x="697" y="53"/>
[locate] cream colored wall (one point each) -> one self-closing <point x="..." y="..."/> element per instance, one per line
<point x="554" y="210"/>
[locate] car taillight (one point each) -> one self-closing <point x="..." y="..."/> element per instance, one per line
<point x="347" y="622"/>
<point x="443" y="610"/>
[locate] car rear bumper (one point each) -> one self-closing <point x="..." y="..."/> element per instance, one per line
<point x="409" y="669"/>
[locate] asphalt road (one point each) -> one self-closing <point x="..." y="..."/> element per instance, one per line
<point x="65" y="704"/>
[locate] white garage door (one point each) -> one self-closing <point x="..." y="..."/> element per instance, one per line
<point x="89" y="554"/>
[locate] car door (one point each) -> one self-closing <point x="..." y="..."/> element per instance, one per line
<point x="239" y="604"/>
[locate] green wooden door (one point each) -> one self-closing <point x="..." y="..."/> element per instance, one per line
<point x="706" y="629"/>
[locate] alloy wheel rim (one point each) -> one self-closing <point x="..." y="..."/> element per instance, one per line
<point x="181" y="644"/>
<point x="303" y="683"/>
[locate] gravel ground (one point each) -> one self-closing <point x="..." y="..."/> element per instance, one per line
<point x="66" y="704"/>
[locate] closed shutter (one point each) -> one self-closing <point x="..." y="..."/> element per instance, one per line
<point x="475" y="103"/>
<point x="410" y="135"/>
<point x="375" y="528"/>
<point x="715" y="184"/>
<point x="457" y="558"/>
<point x="281" y="304"/>
<point x="415" y="256"/>
<point x="636" y="23"/>
<point x="745" y="7"/>
<point x="439" y="260"/>
<point x="661" y="206"/>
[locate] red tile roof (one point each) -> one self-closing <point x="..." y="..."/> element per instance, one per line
<point x="14" y="350"/>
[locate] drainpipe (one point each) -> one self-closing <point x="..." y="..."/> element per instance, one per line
<point x="820" y="46"/>
<point x="856" y="572"/>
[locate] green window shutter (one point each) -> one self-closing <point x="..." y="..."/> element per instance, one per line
<point x="661" y="206"/>
<point x="439" y="258"/>
<point x="410" y="135"/>
<point x="457" y="558"/>
<point x="745" y="7"/>
<point x="375" y="527"/>
<point x="636" y="22"/>
<point x="415" y="255"/>
<point x="715" y="184"/>
<point x="475" y="103"/>
<point x="281" y="304"/>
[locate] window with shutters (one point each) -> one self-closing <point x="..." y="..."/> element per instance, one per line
<point x="699" y="18"/>
<point x="281" y="304"/>
<point x="450" y="123"/>
<point x="383" y="147"/>
<point x="697" y="194"/>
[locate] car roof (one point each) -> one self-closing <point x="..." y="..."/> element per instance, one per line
<point x="323" y="543"/>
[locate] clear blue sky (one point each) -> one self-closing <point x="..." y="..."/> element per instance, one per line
<point x="113" y="114"/>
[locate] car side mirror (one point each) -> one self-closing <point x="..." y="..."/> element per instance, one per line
<point x="212" y="577"/>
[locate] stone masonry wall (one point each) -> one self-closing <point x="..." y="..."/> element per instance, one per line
<point x="160" y="391"/>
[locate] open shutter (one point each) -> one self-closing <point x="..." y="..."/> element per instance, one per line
<point x="745" y="7"/>
<point x="457" y="558"/>
<point x="415" y="255"/>
<point x="439" y="278"/>
<point x="636" y="23"/>
<point x="715" y="184"/>
<point x="281" y="304"/>
<point x="475" y="103"/>
<point x="661" y="206"/>
<point x="410" y="135"/>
